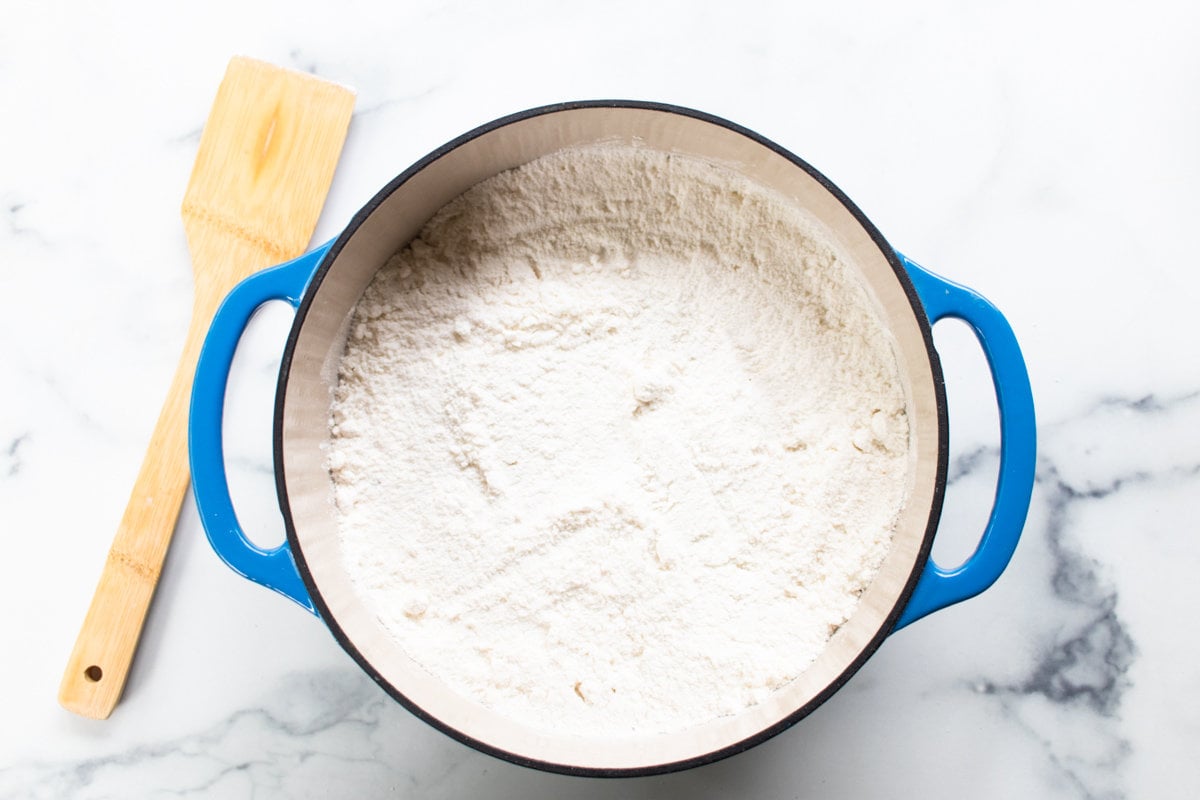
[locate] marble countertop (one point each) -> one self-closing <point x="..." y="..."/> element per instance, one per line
<point x="1042" y="153"/>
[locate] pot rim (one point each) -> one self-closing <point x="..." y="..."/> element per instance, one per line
<point x="760" y="736"/>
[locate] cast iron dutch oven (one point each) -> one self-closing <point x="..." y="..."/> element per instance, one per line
<point x="324" y="286"/>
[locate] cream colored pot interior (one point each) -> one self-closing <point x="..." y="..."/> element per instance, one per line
<point x="313" y="368"/>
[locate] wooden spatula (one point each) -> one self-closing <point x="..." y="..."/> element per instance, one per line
<point x="265" y="163"/>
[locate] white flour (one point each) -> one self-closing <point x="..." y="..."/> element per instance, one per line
<point x="617" y="443"/>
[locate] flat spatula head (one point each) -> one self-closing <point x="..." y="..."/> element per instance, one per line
<point x="266" y="159"/>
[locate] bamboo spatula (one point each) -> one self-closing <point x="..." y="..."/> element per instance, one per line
<point x="266" y="160"/>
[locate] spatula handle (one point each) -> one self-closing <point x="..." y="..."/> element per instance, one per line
<point x="99" y="664"/>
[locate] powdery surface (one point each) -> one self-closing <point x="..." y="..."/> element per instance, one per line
<point x="617" y="443"/>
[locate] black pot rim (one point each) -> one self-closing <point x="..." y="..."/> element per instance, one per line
<point x="864" y="654"/>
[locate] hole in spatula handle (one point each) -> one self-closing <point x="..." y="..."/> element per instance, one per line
<point x="93" y="673"/>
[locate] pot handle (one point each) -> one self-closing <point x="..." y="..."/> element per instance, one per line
<point x="274" y="568"/>
<point x="937" y="587"/>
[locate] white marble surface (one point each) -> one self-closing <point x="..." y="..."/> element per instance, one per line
<point x="1043" y="153"/>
